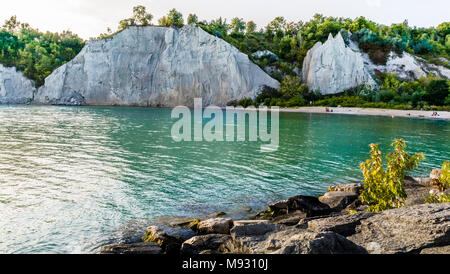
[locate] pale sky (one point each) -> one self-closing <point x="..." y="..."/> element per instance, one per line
<point x="89" y="18"/>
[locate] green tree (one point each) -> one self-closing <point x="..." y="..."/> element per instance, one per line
<point x="237" y="25"/>
<point x="192" y="19"/>
<point x="292" y="86"/>
<point x="140" y="18"/>
<point x="251" y="27"/>
<point x="383" y="189"/>
<point x="173" y="19"/>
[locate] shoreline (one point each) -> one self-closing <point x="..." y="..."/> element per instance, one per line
<point x="381" y="112"/>
<point x="394" y="113"/>
<point x="335" y="223"/>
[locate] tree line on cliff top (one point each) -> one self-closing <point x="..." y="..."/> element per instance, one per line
<point x="37" y="53"/>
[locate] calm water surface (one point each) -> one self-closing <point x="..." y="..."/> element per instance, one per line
<point x="74" y="179"/>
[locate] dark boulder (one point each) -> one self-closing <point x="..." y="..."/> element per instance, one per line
<point x="136" y="248"/>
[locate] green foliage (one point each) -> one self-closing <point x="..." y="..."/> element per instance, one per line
<point x="140" y="18"/>
<point x="246" y="102"/>
<point x="444" y="180"/>
<point x="237" y="25"/>
<point x="437" y="199"/>
<point x="192" y="19"/>
<point x="35" y="53"/>
<point x="173" y="19"/>
<point x="383" y="188"/>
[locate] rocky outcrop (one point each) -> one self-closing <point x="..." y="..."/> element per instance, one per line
<point x="15" y="88"/>
<point x="333" y="67"/>
<point x="166" y="236"/>
<point x="204" y="243"/>
<point x="344" y="224"/>
<point x="405" y="230"/>
<point x="215" y="226"/>
<point x="155" y="66"/>
<point x="310" y="206"/>
<point x="338" y="200"/>
<point x="135" y="248"/>
<point x="293" y="240"/>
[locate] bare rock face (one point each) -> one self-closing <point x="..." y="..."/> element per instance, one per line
<point x="155" y="66"/>
<point x="405" y="230"/>
<point x="15" y="88"/>
<point x="333" y="67"/>
<point x="408" y="67"/>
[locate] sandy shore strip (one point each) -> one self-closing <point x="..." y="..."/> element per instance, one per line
<point x="418" y="114"/>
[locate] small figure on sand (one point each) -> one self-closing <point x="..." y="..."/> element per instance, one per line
<point x="435" y="114"/>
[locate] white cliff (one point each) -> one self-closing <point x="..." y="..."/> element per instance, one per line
<point x="408" y="67"/>
<point x="15" y="88"/>
<point x="155" y="66"/>
<point x="333" y="67"/>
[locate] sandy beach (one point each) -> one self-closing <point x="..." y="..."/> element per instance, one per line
<point x="417" y="114"/>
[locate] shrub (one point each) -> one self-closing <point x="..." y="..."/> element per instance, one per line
<point x="437" y="92"/>
<point x="437" y="199"/>
<point x="383" y="189"/>
<point x="246" y="102"/>
<point x="444" y="180"/>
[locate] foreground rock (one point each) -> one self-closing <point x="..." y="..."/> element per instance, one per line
<point x="15" y="88"/>
<point x="295" y="241"/>
<point x="405" y="230"/>
<point x="344" y="224"/>
<point x="155" y="66"/>
<point x="333" y="67"/>
<point x="215" y="226"/>
<point x="204" y="244"/>
<point x="170" y="239"/>
<point x="309" y="206"/>
<point x="136" y="248"/>
<point x="338" y="200"/>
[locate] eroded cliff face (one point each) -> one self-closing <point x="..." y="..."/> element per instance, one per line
<point x="408" y="67"/>
<point x="155" y="66"/>
<point x="333" y="67"/>
<point x="15" y="88"/>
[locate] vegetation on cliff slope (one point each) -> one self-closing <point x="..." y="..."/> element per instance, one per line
<point x="36" y="53"/>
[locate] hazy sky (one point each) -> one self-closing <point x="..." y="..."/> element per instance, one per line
<point x="89" y="18"/>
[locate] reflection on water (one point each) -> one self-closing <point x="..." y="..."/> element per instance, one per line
<point x="73" y="179"/>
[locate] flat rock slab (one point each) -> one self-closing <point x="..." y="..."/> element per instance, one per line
<point x="405" y="230"/>
<point x="136" y="248"/>
<point x="291" y="240"/>
<point x="344" y="225"/>
<point x="215" y="226"/>
<point x="352" y="188"/>
<point x="338" y="200"/>
<point x="436" y="250"/>
<point x="204" y="244"/>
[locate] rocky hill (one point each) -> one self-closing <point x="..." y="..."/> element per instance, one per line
<point x="155" y="66"/>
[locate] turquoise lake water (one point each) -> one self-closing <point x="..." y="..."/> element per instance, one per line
<point x="74" y="179"/>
